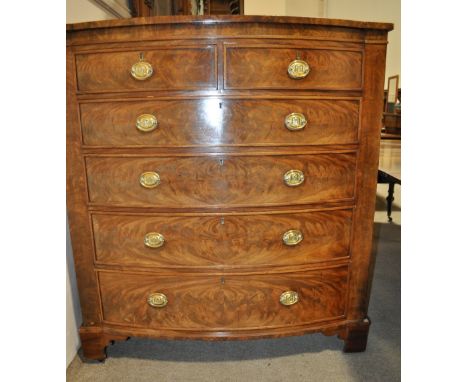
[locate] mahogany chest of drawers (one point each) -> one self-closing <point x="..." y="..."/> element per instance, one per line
<point x="221" y="176"/>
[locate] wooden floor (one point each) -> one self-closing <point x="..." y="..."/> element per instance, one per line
<point x="390" y="162"/>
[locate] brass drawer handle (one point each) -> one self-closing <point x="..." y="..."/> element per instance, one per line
<point x="292" y="237"/>
<point x="298" y="69"/>
<point x="157" y="300"/>
<point x="150" y="179"/>
<point x="154" y="240"/>
<point x="293" y="178"/>
<point x="146" y="122"/>
<point x="141" y="70"/>
<point x="295" y="121"/>
<point x="289" y="298"/>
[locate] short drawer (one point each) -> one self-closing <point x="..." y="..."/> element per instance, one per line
<point x="216" y="180"/>
<point x="275" y="239"/>
<point x="266" y="67"/>
<point x="183" y="68"/>
<point x="223" y="302"/>
<point x="218" y="121"/>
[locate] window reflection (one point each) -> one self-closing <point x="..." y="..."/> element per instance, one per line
<point x="213" y="118"/>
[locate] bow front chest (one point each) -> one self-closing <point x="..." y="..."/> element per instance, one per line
<point x="221" y="176"/>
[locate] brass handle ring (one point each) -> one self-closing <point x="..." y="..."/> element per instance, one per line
<point x="157" y="300"/>
<point x="298" y="69"/>
<point x="289" y="298"/>
<point x="150" y="179"/>
<point x="154" y="240"/>
<point x="292" y="237"/>
<point x="293" y="178"/>
<point x="295" y="121"/>
<point x="141" y="70"/>
<point x="146" y="123"/>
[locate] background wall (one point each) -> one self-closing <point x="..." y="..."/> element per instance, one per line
<point x="265" y="7"/>
<point x="365" y="10"/>
<point x="84" y="10"/>
<point x="305" y="8"/>
<point x="374" y="10"/>
<point x="361" y="10"/>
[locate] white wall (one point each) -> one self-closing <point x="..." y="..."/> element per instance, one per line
<point x="301" y="8"/>
<point x="265" y="7"/>
<point x="84" y="10"/>
<point x="374" y="10"/>
<point x="361" y="10"/>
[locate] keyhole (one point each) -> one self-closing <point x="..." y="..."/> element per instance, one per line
<point x="222" y="221"/>
<point x="220" y="105"/>
<point x="141" y="56"/>
<point x="222" y="280"/>
<point x="221" y="162"/>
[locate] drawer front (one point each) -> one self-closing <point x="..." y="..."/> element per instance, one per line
<point x="173" y="69"/>
<point x="267" y="68"/>
<point x="220" y="180"/>
<point x="223" y="302"/>
<point x="216" y="121"/>
<point x="232" y="240"/>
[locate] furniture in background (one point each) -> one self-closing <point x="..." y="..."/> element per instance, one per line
<point x="387" y="178"/>
<point x="391" y="121"/>
<point x="385" y="101"/>
<point x="391" y="128"/>
<point x="221" y="176"/>
<point x="186" y="7"/>
<point x="392" y="94"/>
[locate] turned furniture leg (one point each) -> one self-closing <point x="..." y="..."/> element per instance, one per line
<point x="94" y="342"/>
<point x="391" y="189"/>
<point x="355" y="337"/>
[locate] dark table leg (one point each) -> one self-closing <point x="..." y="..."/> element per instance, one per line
<point x="391" y="189"/>
<point x="383" y="177"/>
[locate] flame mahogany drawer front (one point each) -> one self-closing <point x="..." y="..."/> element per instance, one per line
<point x="217" y="303"/>
<point x="266" y="67"/>
<point x="205" y="181"/>
<point x="181" y="68"/>
<point x="220" y="121"/>
<point x="221" y="176"/>
<point x="232" y="240"/>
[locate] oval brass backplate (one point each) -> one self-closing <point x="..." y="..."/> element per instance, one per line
<point x="293" y="178"/>
<point x="150" y="179"/>
<point x="289" y="298"/>
<point x="146" y="122"/>
<point x="298" y="69"/>
<point x="141" y="70"/>
<point x="157" y="300"/>
<point x="154" y="240"/>
<point x="295" y="121"/>
<point x="292" y="237"/>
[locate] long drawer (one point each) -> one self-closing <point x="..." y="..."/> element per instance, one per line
<point x="273" y="67"/>
<point x="172" y="68"/>
<point x="275" y="239"/>
<point x="220" y="180"/>
<point x="218" y="121"/>
<point x="223" y="302"/>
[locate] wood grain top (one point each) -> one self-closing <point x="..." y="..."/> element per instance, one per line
<point x="224" y="19"/>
